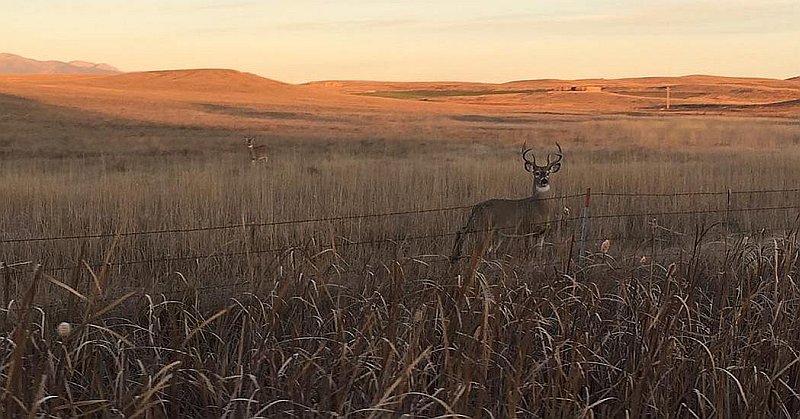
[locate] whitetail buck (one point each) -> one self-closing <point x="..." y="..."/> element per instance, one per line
<point x="258" y="153"/>
<point x="497" y="219"/>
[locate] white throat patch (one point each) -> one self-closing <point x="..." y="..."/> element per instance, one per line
<point x="541" y="189"/>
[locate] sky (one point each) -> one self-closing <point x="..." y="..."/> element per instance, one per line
<point x="415" y="40"/>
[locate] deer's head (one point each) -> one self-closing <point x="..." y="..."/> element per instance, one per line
<point x="249" y="141"/>
<point x="541" y="174"/>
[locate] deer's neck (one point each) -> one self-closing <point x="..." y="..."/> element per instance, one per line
<point x="541" y="192"/>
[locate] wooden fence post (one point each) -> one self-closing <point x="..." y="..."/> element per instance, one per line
<point x="584" y="225"/>
<point x="7" y="285"/>
<point x="727" y="219"/>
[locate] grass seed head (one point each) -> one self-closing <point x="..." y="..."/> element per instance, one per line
<point x="605" y="246"/>
<point x="64" y="329"/>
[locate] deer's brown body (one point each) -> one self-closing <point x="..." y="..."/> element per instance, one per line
<point x="494" y="220"/>
<point x="258" y="153"/>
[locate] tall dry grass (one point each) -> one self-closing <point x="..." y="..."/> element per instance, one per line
<point x="703" y="326"/>
<point x="53" y="198"/>
<point x="712" y="336"/>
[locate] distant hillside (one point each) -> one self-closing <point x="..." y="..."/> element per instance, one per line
<point x="230" y="98"/>
<point x="795" y="78"/>
<point x="196" y="80"/>
<point x="15" y="64"/>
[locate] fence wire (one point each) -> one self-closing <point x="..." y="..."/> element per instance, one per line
<point x="181" y="230"/>
<point x="656" y="235"/>
<point x="662" y="234"/>
<point x="708" y="193"/>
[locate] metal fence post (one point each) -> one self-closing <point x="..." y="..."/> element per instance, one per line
<point x="7" y="286"/>
<point x="727" y="220"/>
<point x="584" y="225"/>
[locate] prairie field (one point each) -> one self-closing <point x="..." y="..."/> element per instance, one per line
<point x="318" y="284"/>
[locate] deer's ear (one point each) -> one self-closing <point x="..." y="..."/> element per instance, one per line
<point x="529" y="167"/>
<point x="554" y="168"/>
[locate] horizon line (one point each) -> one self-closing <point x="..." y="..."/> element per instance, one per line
<point x="385" y="80"/>
<point x="347" y="80"/>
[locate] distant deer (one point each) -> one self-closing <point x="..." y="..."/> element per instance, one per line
<point x="498" y="219"/>
<point x="258" y="153"/>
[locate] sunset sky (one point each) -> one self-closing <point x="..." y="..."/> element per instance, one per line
<point x="469" y="40"/>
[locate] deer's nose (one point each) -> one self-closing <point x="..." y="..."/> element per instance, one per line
<point x="544" y="182"/>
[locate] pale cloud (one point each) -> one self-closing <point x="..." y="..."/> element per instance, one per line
<point x="224" y="5"/>
<point x="498" y="40"/>
<point x="229" y="30"/>
<point x="344" y="25"/>
<point x="705" y="16"/>
<point x="721" y="16"/>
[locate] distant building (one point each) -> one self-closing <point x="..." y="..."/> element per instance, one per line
<point x="573" y="88"/>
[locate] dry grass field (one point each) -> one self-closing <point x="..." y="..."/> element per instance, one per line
<point x="190" y="293"/>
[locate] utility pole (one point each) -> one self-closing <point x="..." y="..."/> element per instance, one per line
<point x="667" y="97"/>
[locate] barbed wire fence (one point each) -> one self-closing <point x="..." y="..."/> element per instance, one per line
<point x="651" y="233"/>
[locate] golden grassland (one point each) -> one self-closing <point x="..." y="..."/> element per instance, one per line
<point x="353" y="110"/>
<point x="365" y="317"/>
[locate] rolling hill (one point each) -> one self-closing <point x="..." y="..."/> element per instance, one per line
<point x="230" y="99"/>
<point x="15" y="64"/>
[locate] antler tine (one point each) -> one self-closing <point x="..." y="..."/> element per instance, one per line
<point x="559" y="156"/>
<point x="525" y="152"/>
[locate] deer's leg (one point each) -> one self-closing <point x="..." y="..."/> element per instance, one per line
<point x="495" y="239"/>
<point x="458" y="245"/>
<point x="523" y="247"/>
<point x="540" y="245"/>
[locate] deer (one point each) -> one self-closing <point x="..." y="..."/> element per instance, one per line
<point x="258" y="153"/>
<point x="498" y="219"/>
